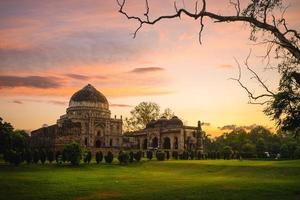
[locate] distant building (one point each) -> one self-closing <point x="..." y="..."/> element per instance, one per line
<point x="88" y="121"/>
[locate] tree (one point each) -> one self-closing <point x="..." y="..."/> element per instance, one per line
<point x="260" y="147"/>
<point x="264" y="17"/>
<point x="227" y="152"/>
<point x="143" y="113"/>
<point x="73" y="153"/>
<point x="99" y="157"/>
<point x="6" y="129"/>
<point x="248" y="150"/>
<point x="36" y="156"/>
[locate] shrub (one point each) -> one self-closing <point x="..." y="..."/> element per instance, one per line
<point x="227" y="152"/>
<point x="248" y="150"/>
<point x="99" y="157"/>
<point x="167" y="155"/>
<point x="131" y="156"/>
<point x="150" y="155"/>
<point x="109" y="157"/>
<point x="123" y="157"/>
<point x="28" y="156"/>
<point x="199" y="155"/>
<point x="137" y="156"/>
<point x="175" y="155"/>
<point x="13" y="157"/>
<point x="185" y="155"/>
<point x="43" y="156"/>
<point x="87" y="157"/>
<point x="59" y="159"/>
<point x="297" y="153"/>
<point x="50" y="156"/>
<point x="160" y="156"/>
<point x="72" y="153"/>
<point x="284" y="151"/>
<point x="192" y="155"/>
<point x="36" y="156"/>
<point x="56" y="156"/>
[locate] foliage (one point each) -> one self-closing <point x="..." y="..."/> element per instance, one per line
<point x="28" y="156"/>
<point x="50" y="156"/>
<point x="297" y="153"/>
<point x="248" y="150"/>
<point x="175" y="155"/>
<point x="160" y="155"/>
<point x="87" y="157"/>
<point x="123" y="157"/>
<point x="227" y="152"/>
<point x="14" y="157"/>
<point x="99" y="157"/>
<point x="167" y="155"/>
<point x="72" y="153"/>
<point x="36" y="156"/>
<point x="131" y="156"/>
<point x="150" y="155"/>
<point x="137" y="156"/>
<point x="143" y="113"/>
<point x="43" y="156"/>
<point x="109" y="157"/>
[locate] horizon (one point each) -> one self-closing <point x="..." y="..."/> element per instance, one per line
<point x="51" y="50"/>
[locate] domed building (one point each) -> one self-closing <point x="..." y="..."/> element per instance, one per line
<point x="87" y="121"/>
<point x="167" y="134"/>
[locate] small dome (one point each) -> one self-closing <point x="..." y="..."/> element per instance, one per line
<point x="89" y="94"/>
<point x="175" y="121"/>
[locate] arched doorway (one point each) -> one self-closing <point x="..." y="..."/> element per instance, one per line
<point x="175" y="143"/>
<point x="167" y="143"/>
<point x="98" y="143"/>
<point x="155" y="142"/>
<point x="145" y="144"/>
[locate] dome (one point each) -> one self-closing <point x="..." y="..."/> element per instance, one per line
<point x="89" y="94"/>
<point x="88" y="98"/>
<point x="175" y="121"/>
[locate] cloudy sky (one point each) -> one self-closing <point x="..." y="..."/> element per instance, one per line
<point x="51" y="49"/>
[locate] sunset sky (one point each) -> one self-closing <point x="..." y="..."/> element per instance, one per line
<point x="51" y="49"/>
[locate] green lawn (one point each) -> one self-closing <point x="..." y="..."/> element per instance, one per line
<point x="208" y="179"/>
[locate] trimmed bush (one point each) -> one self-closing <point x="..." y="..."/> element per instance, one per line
<point x="36" y="156"/>
<point x="137" y="156"/>
<point x="50" y="156"/>
<point x="57" y="154"/>
<point x="123" y="157"/>
<point x="28" y="156"/>
<point x="160" y="155"/>
<point x="185" y="155"/>
<point x="175" y="155"/>
<point x="109" y="157"/>
<point x="167" y="155"/>
<point x="192" y="155"/>
<point x="14" y="157"/>
<point x="87" y="157"/>
<point x="131" y="156"/>
<point x="72" y="153"/>
<point x="99" y="157"/>
<point x="150" y="155"/>
<point x="199" y="155"/>
<point x="43" y="156"/>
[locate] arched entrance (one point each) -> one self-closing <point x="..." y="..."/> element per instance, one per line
<point x="98" y="143"/>
<point x="155" y="142"/>
<point x="167" y="143"/>
<point x="175" y="143"/>
<point x="145" y="144"/>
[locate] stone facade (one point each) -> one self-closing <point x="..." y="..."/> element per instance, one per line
<point x="165" y="134"/>
<point x="88" y="121"/>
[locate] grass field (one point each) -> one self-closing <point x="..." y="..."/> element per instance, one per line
<point x="208" y="179"/>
